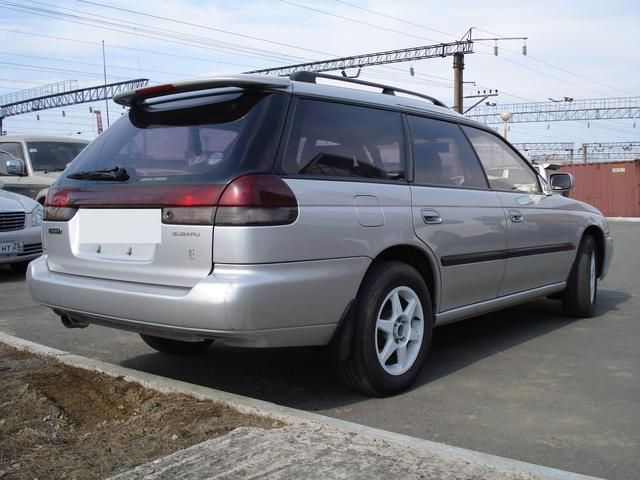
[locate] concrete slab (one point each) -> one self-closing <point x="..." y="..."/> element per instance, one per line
<point x="313" y="446"/>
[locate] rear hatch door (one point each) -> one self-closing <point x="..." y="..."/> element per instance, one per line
<point x="141" y="198"/>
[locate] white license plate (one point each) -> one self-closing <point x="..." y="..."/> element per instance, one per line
<point x="130" y="226"/>
<point x="11" y="246"/>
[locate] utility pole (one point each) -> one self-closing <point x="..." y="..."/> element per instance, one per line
<point x="457" y="49"/>
<point x="458" y="67"/>
<point x="104" y="66"/>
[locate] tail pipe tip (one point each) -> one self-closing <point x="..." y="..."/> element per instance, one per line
<point x="70" y="322"/>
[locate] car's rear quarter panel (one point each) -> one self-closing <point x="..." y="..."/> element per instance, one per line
<point x="329" y="225"/>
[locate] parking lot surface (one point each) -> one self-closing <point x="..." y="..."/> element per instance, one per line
<point x="526" y="383"/>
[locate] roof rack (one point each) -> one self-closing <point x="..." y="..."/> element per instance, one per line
<point x="310" y="77"/>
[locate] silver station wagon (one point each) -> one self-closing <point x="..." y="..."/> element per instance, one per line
<point x="274" y="212"/>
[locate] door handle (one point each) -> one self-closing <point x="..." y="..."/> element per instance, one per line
<point x="431" y="217"/>
<point x="516" y="216"/>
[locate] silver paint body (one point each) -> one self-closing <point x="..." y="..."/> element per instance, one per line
<point x="290" y="285"/>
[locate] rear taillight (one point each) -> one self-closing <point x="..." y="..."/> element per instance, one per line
<point x="255" y="200"/>
<point x="135" y="196"/>
<point x="181" y="204"/>
<point x="55" y="206"/>
<point x="249" y="200"/>
<point x="59" y="214"/>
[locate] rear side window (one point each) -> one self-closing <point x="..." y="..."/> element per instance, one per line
<point x="505" y="169"/>
<point x="443" y="156"/>
<point x="336" y="140"/>
<point x="208" y="140"/>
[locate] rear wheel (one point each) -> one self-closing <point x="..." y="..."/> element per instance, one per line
<point x="579" y="299"/>
<point x="392" y="331"/>
<point x="175" y="347"/>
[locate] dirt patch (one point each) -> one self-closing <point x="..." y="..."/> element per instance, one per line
<point x="62" y="422"/>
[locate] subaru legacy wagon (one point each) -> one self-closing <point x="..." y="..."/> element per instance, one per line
<point x="265" y="211"/>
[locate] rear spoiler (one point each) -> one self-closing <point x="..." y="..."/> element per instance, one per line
<point x="258" y="82"/>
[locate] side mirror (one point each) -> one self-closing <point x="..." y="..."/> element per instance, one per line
<point x="16" y="166"/>
<point x="561" y="182"/>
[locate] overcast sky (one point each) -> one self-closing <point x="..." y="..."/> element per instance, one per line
<point x="580" y="49"/>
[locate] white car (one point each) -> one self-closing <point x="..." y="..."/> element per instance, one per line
<point x="35" y="161"/>
<point x="20" y="229"/>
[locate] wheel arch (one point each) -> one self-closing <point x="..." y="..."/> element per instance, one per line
<point x="41" y="196"/>
<point x="413" y="256"/>
<point x="421" y="261"/>
<point x="598" y="235"/>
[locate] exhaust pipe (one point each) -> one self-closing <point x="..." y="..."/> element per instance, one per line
<point x="69" y="322"/>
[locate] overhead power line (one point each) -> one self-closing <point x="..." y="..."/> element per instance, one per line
<point x="147" y="31"/>
<point x="353" y="20"/>
<point x="396" y="18"/>
<point x="122" y="47"/>
<point x="534" y="58"/>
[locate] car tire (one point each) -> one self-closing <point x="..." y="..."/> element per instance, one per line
<point x="19" y="267"/>
<point x="580" y="296"/>
<point x="175" y="347"/>
<point x="391" y="333"/>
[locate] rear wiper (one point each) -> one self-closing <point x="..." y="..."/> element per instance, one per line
<point x="115" y="174"/>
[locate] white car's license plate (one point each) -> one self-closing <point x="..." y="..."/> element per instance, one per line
<point x="11" y="246"/>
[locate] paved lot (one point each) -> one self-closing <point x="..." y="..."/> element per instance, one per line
<point x="525" y="383"/>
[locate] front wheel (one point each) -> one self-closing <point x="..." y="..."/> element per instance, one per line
<point x="392" y="331"/>
<point x="579" y="298"/>
<point x="175" y="347"/>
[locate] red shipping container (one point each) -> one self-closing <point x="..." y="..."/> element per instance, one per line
<point x="611" y="187"/>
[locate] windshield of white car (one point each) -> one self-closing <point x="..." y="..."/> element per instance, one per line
<point x="53" y="156"/>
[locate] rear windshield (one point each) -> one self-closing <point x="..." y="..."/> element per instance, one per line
<point x="53" y="156"/>
<point x="201" y="140"/>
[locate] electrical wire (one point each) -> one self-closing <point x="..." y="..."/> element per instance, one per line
<point x="111" y="66"/>
<point x="396" y="18"/>
<point x="163" y="35"/>
<point x="353" y="20"/>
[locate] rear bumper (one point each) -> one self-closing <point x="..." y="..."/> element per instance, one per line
<point x="269" y="305"/>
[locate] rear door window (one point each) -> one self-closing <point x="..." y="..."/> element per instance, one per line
<point x="195" y="141"/>
<point x="338" y="140"/>
<point x="443" y="156"/>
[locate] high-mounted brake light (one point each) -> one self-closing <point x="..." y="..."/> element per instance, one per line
<point x="155" y="90"/>
<point x="255" y="200"/>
